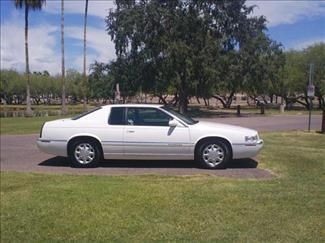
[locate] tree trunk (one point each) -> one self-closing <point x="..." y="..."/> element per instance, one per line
<point x="205" y="102"/>
<point x="183" y="102"/>
<point x="162" y="99"/>
<point x="225" y="101"/>
<point x="64" y="106"/>
<point x="220" y="99"/>
<point x="230" y="99"/>
<point x="320" y="102"/>
<point x="85" y="62"/>
<point x="29" y="111"/>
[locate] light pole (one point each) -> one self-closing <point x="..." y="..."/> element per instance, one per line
<point x="310" y="93"/>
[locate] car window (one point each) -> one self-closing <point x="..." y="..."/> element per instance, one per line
<point x="86" y="113"/>
<point x="147" y="117"/>
<point x="186" y="119"/>
<point x="117" y="116"/>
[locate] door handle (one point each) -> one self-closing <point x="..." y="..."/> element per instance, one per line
<point x="130" y="131"/>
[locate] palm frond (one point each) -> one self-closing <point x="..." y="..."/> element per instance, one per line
<point x="33" y="4"/>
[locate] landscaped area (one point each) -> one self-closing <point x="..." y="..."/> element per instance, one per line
<point x="287" y="208"/>
<point x="254" y="64"/>
<point x="27" y="125"/>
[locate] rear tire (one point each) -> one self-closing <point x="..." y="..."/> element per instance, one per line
<point x="84" y="154"/>
<point x="213" y="154"/>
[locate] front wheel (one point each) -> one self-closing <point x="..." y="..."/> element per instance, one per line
<point x="213" y="154"/>
<point x="84" y="154"/>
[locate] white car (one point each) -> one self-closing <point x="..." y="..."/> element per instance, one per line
<point x="145" y="132"/>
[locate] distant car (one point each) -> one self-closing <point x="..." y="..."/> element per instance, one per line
<point x="145" y="132"/>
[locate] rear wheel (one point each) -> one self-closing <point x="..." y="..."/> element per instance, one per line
<point x="84" y="154"/>
<point x="213" y="154"/>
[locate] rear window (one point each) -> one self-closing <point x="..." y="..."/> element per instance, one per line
<point x="86" y="113"/>
<point x="117" y="116"/>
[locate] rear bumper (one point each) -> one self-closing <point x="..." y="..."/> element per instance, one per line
<point x="56" y="147"/>
<point x="248" y="150"/>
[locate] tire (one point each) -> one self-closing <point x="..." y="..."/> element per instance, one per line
<point x="84" y="154"/>
<point x="213" y="154"/>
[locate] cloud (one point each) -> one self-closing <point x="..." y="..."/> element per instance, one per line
<point x="306" y="43"/>
<point x="44" y="46"/>
<point x="287" y="12"/>
<point x="99" y="45"/>
<point x="97" y="8"/>
<point x="42" y="42"/>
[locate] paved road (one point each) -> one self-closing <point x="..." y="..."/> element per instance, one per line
<point x="273" y="123"/>
<point x="19" y="153"/>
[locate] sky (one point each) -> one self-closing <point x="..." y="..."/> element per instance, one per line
<point x="295" y="24"/>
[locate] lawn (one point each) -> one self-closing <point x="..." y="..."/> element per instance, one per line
<point x="288" y="208"/>
<point x="23" y="125"/>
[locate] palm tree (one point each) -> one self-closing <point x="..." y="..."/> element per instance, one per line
<point x="85" y="55"/>
<point x="28" y="5"/>
<point x="64" y="106"/>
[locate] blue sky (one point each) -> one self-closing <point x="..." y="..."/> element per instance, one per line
<point x="296" y="24"/>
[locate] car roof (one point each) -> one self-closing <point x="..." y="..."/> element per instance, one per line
<point x="134" y="105"/>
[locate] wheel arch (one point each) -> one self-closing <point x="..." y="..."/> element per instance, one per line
<point x="84" y="137"/>
<point x="213" y="138"/>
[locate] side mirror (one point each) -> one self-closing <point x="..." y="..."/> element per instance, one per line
<point x="173" y="123"/>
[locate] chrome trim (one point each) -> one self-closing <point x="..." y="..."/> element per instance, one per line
<point x="258" y="142"/>
<point x="50" y="140"/>
<point x="131" y="143"/>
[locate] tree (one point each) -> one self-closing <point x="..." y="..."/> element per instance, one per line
<point x="295" y="75"/>
<point x="28" y="5"/>
<point x="85" y="55"/>
<point x="64" y="106"/>
<point x="263" y="60"/>
<point x="180" y="42"/>
<point x="315" y="54"/>
<point x="74" y="82"/>
<point x="12" y="86"/>
<point x="101" y="82"/>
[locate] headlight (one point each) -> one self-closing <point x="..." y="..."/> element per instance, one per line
<point x="251" y="138"/>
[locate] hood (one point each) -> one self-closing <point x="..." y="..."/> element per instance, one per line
<point x="202" y="125"/>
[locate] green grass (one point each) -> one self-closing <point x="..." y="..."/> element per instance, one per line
<point x="23" y="125"/>
<point x="288" y="208"/>
<point x="78" y="107"/>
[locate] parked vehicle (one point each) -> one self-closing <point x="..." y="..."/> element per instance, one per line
<point x="146" y="132"/>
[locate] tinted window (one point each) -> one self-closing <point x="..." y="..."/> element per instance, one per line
<point x="186" y="119"/>
<point x="117" y="116"/>
<point x="147" y="117"/>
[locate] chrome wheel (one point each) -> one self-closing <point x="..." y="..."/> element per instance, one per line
<point x="213" y="154"/>
<point x="84" y="153"/>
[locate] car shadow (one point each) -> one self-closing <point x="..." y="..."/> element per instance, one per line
<point x="233" y="164"/>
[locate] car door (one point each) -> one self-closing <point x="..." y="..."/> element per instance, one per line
<point x="147" y="135"/>
<point x="112" y="136"/>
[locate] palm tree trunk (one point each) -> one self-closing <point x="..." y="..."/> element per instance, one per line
<point x="29" y="111"/>
<point x="85" y="62"/>
<point x="64" y="107"/>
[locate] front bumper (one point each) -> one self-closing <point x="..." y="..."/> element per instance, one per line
<point x="247" y="150"/>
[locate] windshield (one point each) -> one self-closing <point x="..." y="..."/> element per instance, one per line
<point x="186" y="119"/>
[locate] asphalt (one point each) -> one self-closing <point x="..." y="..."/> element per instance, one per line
<point x="19" y="153"/>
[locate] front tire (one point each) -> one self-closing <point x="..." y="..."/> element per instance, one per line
<point x="84" y="154"/>
<point x="213" y="154"/>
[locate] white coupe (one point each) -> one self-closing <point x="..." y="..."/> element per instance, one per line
<point x="145" y="132"/>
